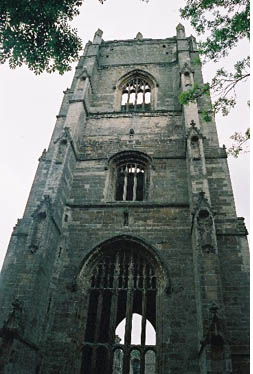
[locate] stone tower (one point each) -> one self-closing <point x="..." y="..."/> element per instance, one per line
<point x="131" y="212"/>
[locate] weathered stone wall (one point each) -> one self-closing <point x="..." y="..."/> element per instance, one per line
<point x="71" y="212"/>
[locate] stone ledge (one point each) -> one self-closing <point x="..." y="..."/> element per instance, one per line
<point x="165" y="63"/>
<point x="151" y="113"/>
<point x="127" y="204"/>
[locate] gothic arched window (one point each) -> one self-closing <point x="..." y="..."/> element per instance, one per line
<point x="129" y="177"/>
<point x="123" y="280"/>
<point x="136" y="95"/>
<point x="130" y="182"/>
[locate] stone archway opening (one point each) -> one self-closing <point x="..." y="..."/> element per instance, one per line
<point x="123" y="283"/>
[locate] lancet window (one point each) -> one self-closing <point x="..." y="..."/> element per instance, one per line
<point x="136" y="95"/>
<point x="122" y="283"/>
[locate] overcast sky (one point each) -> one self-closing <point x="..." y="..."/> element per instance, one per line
<point x="30" y="103"/>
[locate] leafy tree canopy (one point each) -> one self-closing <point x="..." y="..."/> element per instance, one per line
<point x="225" y="22"/>
<point x="37" y="33"/>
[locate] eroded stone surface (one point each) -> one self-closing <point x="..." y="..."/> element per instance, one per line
<point x="174" y="221"/>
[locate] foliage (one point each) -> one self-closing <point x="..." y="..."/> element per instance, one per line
<point x="224" y="83"/>
<point x="193" y="93"/>
<point x="37" y="33"/>
<point x="239" y="143"/>
<point x="226" y="22"/>
<point x="222" y="86"/>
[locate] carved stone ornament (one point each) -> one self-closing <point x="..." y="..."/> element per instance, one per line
<point x="139" y="36"/>
<point x="202" y="203"/>
<point x="65" y="135"/>
<point x="193" y="136"/>
<point x="39" y="217"/>
<point x="63" y="142"/>
<point x="44" y="207"/>
<point x="186" y="69"/>
<point x="193" y="131"/>
<point x="215" y="337"/>
<point x="84" y="74"/>
<point x="43" y="155"/>
<point x="203" y="217"/>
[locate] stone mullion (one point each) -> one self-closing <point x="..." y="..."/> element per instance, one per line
<point x="142" y="362"/>
<point x="93" y="359"/>
<point x="128" y="95"/>
<point x="114" y="301"/>
<point x="85" y="310"/>
<point x="129" y="314"/>
<point x="135" y="182"/>
<point x="125" y="183"/>
<point x="97" y="331"/>
<point x="144" y="308"/>
<point x="112" y="326"/>
<point x="109" y="358"/>
<point x="144" y="318"/>
<point x="161" y="355"/>
<point x="144" y="93"/>
<point x="136" y="93"/>
<point x="129" y="317"/>
<point x="128" y="330"/>
<point x="99" y="315"/>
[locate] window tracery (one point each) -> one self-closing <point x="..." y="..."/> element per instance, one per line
<point x="129" y="176"/>
<point x="136" y="95"/>
<point x="122" y="282"/>
<point x="130" y="182"/>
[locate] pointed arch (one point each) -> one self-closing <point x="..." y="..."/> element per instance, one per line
<point x="129" y="176"/>
<point x="137" y="242"/>
<point x="136" y="91"/>
<point x="121" y="276"/>
<point x="137" y="73"/>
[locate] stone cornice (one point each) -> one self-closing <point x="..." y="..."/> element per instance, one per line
<point x="153" y="113"/>
<point x="126" y="204"/>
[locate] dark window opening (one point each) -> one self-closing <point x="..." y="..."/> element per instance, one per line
<point x="122" y="295"/>
<point x="130" y="182"/>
